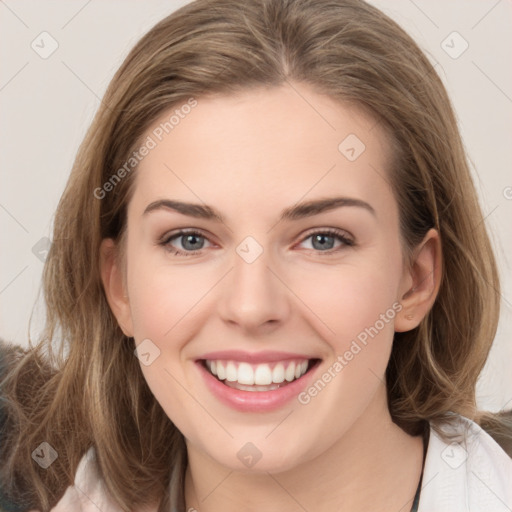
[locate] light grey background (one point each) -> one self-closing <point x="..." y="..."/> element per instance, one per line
<point x="46" y="105"/>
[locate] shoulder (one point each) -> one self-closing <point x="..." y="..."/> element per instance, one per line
<point x="88" y="494"/>
<point x="468" y="472"/>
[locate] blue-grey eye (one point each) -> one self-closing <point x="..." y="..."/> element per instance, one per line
<point x="323" y="241"/>
<point x="192" y="241"/>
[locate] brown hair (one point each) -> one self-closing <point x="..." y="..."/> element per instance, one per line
<point x="78" y="396"/>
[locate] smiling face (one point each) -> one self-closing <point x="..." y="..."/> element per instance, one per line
<point x="263" y="274"/>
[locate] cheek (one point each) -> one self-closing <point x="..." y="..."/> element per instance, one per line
<point x="350" y="298"/>
<point x="163" y="298"/>
<point x="164" y="302"/>
<point x="358" y="304"/>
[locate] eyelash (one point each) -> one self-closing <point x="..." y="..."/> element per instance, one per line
<point x="336" y="233"/>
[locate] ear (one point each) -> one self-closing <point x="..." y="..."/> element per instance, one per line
<point x="115" y="286"/>
<point x="420" y="283"/>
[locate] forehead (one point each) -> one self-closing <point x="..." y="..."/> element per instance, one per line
<point x="276" y="144"/>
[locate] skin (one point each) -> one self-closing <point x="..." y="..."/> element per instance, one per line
<point x="250" y="156"/>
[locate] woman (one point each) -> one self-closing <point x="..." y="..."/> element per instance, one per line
<point x="272" y="281"/>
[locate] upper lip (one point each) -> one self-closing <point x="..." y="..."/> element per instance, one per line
<point x="254" y="357"/>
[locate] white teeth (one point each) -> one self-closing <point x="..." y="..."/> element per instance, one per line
<point x="289" y="374"/>
<point x="257" y="374"/>
<point x="245" y="374"/>
<point x="262" y="375"/>
<point x="278" y="373"/>
<point x="221" y="371"/>
<point x="231" y="373"/>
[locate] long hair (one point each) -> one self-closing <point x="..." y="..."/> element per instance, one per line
<point x="70" y="389"/>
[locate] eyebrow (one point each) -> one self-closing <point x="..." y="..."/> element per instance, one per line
<point x="298" y="211"/>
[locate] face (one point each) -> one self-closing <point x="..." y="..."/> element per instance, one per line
<point x="291" y="262"/>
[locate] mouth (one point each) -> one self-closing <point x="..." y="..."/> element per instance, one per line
<point x="262" y="377"/>
<point x="259" y="382"/>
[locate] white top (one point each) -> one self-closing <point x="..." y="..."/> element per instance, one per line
<point x="472" y="475"/>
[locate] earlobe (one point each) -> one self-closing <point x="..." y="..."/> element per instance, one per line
<point x="422" y="283"/>
<point x="114" y="286"/>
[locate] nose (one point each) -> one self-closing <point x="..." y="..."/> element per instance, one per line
<point x="253" y="297"/>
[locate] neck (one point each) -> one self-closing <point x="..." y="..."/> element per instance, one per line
<point x="375" y="466"/>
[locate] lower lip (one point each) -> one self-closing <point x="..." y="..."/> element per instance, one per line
<point x="256" y="401"/>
